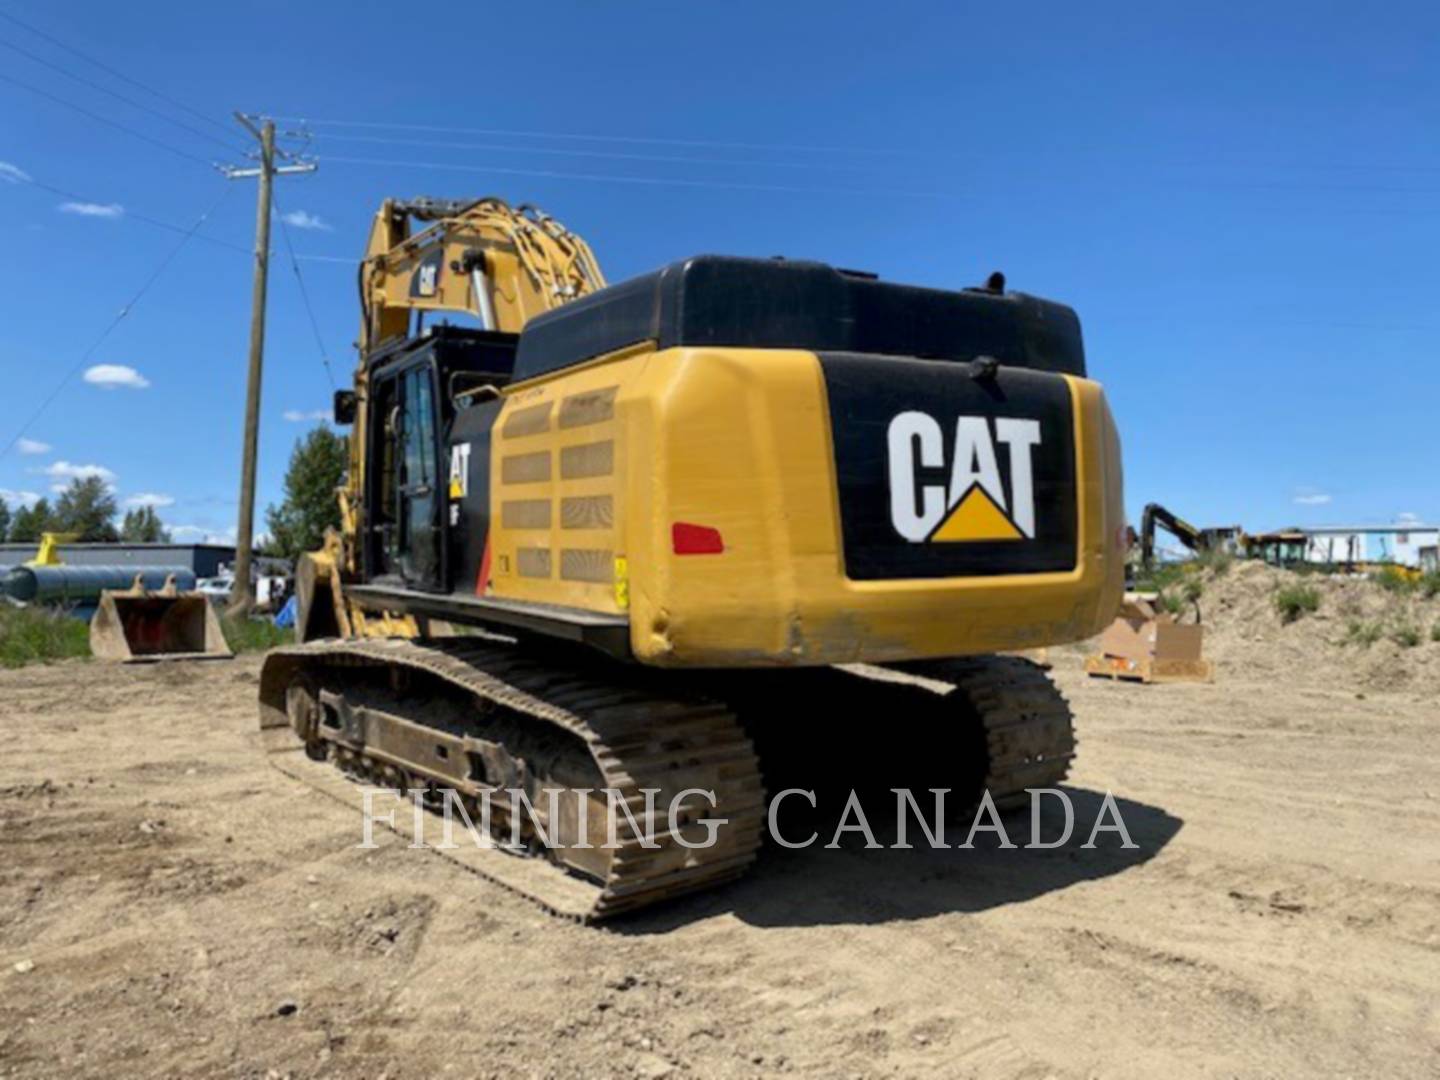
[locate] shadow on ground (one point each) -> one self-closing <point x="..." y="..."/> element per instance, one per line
<point x="850" y="735"/>
<point x="820" y="886"/>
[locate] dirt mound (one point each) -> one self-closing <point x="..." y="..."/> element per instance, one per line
<point x="1359" y="635"/>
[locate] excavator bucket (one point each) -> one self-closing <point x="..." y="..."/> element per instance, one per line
<point x="135" y="625"/>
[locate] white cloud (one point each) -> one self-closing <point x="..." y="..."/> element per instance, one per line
<point x="299" y="416"/>
<point x="90" y="209"/>
<point x="303" y="220"/>
<point x="33" y="446"/>
<point x="1313" y="498"/>
<point x="64" y="470"/>
<point x="13" y="174"/>
<point x="200" y="534"/>
<point x="151" y="499"/>
<point x="21" y="498"/>
<point x="112" y="375"/>
<point x="1407" y="517"/>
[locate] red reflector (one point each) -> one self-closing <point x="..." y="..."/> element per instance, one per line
<point x="696" y="539"/>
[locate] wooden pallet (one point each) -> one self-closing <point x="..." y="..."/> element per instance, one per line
<point x="1149" y="670"/>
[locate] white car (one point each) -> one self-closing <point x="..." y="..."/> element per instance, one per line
<point x="219" y="588"/>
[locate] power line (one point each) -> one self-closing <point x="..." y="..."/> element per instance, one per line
<point x="105" y="120"/>
<point x="304" y="294"/>
<point x="117" y="74"/>
<point x="134" y="215"/>
<point x="120" y="317"/>
<point x="1193" y="185"/>
<point x="612" y="155"/>
<point x="710" y="143"/>
<point x="116" y="95"/>
<point x="791" y="147"/>
<point x="170" y="226"/>
<point x="648" y="180"/>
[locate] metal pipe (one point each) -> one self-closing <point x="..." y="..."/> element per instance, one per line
<point x="481" y="288"/>
<point x="84" y="584"/>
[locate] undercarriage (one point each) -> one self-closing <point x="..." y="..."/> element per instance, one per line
<point x="594" y="788"/>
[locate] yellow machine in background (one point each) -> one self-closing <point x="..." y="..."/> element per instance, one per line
<point x="722" y="468"/>
<point x="48" y="553"/>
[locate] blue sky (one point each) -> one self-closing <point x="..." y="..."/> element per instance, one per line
<point x="1242" y="203"/>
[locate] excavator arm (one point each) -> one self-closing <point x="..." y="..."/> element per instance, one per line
<point x="1182" y="530"/>
<point x="1211" y="538"/>
<point x="500" y="264"/>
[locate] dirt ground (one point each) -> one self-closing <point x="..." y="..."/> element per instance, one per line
<point x="171" y="906"/>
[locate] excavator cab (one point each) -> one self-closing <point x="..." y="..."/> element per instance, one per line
<point x="417" y="388"/>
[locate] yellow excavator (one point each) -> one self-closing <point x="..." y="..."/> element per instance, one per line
<point x="578" y="534"/>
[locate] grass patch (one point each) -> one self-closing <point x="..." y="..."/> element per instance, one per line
<point x="1406" y="635"/>
<point x="255" y="635"/>
<point x="37" y="635"/>
<point x="1176" y="600"/>
<point x="1216" y="560"/>
<point x="1160" y="577"/>
<point x="34" y="635"/>
<point x="1435" y="631"/>
<point x="1429" y="584"/>
<point x="1295" y="600"/>
<point x="1363" y="632"/>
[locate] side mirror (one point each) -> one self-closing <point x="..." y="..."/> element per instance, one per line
<point x="344" y="406"/>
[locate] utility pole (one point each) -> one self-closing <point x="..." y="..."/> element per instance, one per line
<point x="242" y="593"/>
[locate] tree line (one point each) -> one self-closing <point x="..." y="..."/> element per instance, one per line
<point x="88" y="508"/>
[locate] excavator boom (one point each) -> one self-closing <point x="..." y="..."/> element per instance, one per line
<point x="1194" y="538"/>
<point x="500" y="264"/>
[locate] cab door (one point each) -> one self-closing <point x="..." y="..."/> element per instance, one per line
<point x="418" y="510"/>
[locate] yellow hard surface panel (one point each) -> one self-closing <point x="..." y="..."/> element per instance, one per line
<point x="739" y="441"/>
<point x="553" y="473"/>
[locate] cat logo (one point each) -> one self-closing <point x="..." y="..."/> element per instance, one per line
<point x="459" y="471"/>
<point x="425" y="281"/>
<point x="974" y="505"/>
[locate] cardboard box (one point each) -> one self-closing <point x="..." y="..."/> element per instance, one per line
<point x="1142" y="633"/>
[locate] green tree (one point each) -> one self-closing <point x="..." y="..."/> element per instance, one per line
<point x="143" y="526"/>
<point x="4" y="519"/>
<point x="87" y="509"/>
<point x="30" y="522"/>
<point x="317" y="465"/>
